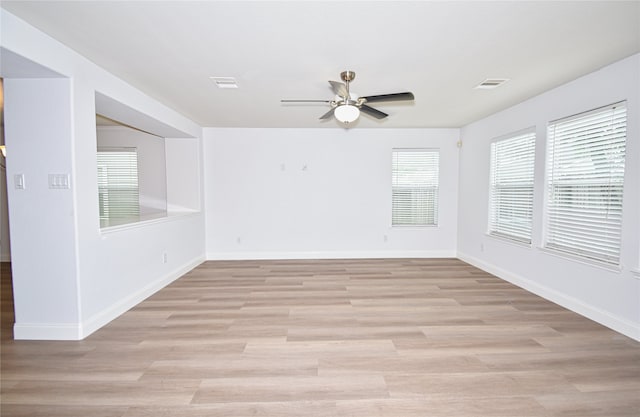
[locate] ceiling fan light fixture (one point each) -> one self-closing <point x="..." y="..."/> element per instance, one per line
<point x="346" y="113"/>
<point x="346" y="106"/>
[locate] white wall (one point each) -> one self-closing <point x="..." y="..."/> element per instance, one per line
<point x="152" y="172"/>
<point x="319" y="193"/>
<point x="5" y="247"/>
<point x="38" y="127"/>
<point x="611" y="297"/>
<point x="93" y="276"/>
<point x="184" y="177"/>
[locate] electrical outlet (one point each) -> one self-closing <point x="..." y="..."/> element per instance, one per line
<point x="482" y="247"/>
<point x="164" y="258"/>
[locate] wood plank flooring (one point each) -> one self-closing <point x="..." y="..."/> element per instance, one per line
<point x="370" y="338"/>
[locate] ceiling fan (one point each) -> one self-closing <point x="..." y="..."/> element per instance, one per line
<point x="346" y="106"/>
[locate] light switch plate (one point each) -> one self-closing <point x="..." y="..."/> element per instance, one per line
<point x="59" y="181"/>
<point x="18" y="181"/>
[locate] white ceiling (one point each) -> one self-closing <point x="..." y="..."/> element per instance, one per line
<point x="439" y="50"/>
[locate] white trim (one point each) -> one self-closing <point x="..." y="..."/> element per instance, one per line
<point x="103" y="317"/>
<point x="41" y="331"/>
<point x="329" y="255"/>
<point x="619" y="324"/>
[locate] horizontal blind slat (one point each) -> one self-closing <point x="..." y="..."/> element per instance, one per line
<point x="414" y="187"/>
<point x="118" y="190"/>
<point x="586" y="173"/>
<point x="511" y="191"/>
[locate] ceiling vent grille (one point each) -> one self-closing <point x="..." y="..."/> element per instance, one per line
<point x="491" y="83"/>
<point x="224" y="82"/>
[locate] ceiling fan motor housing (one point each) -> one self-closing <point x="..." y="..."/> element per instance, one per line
<point x="347" y="76"/>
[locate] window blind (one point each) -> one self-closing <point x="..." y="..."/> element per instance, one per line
<point x="118" y="184"/>
<point x="511" y="192"/>
<point x="415" y="187"/>
<point x="585" y="178"/>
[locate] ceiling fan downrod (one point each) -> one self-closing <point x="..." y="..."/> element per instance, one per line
<point x="347" y="77"/>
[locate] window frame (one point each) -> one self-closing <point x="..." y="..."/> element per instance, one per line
<point x="552" y="241"/>
<point x="431" y="218"/>
<point x="494" y="227"/>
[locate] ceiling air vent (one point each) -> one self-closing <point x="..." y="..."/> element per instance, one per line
<point x="490" y="83"/>
<point x="224" y="82"/>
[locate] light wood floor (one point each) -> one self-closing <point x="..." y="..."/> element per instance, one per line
<point x="365" y="338"/>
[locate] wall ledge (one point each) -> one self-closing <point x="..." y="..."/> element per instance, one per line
<point x="150" y="221"/>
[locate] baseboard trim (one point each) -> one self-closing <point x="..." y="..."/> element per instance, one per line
<point x="40" y="331"/>
<point x="107" y="315"/>
<point x="72" y="331"/>
<point x="619" y="324"/>
<point x="237" y="256"/>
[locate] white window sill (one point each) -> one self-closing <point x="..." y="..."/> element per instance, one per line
<point x="584" y="261"/>
<point x="508" y="241"/>
<point x="413" y="226"/>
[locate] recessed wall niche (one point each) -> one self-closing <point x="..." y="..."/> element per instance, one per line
<point x="132" y="182"/>
<point x="146" y="168"/>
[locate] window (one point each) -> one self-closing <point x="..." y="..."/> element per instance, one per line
<point x="585" y="177"/>
<point x="415" y="187"/>
<point x="511" y="192"/>
<point x="118" y="185"/>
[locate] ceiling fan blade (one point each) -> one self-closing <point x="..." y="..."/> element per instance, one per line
<point x="390" y="97"/>
<point x="305" y="101"/>
<point x="339" y="88"/>
<point x="373" y="112"/>
<point x="328" y="114"/>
